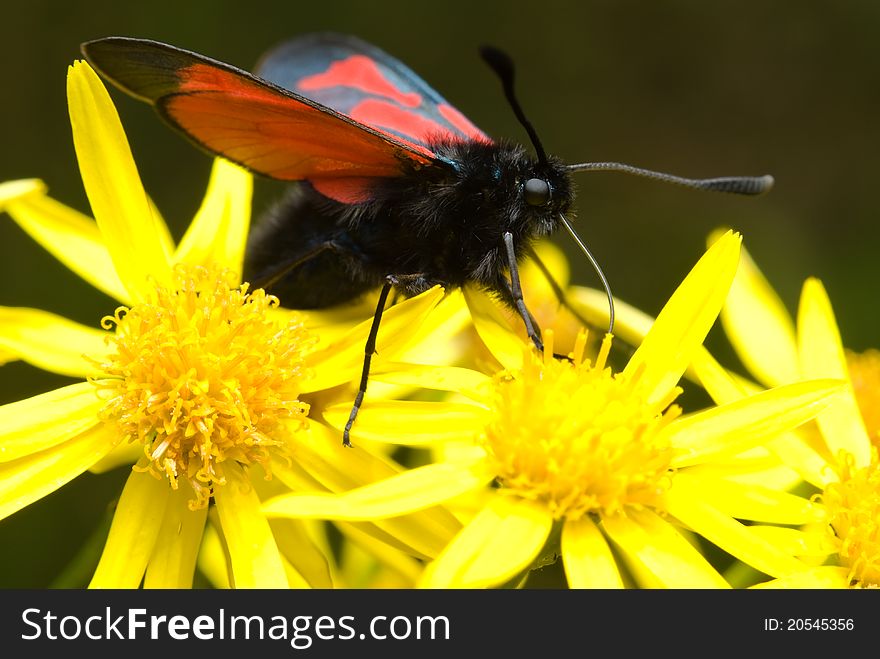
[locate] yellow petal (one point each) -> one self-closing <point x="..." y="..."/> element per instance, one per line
<point x="630" y="324"/>
<point x="759" y="326"/>
<point x="51" y="342"/>
<point x="218" y="232"/>
<point x="814" y="578"/>
<point x="554" y="259"/>
<point x="658" y="553"/>
<point x="7" y="356"/>
<point x="133" y="533"/>
<point x="797" y="542"/>
<point x="19" y="189"/>
<point x="465" y="381"/>
<point x="323" y="460"/>
<point x="335" y="322"/>
<point x="734" y="427"/>
<point x="414" y="489"/>
<point x="295" y="580"/>
<point x="72" y="238"/>
<point x="684" y="321"/>
<point x="363" y="551"/>
<point x="822" y="356"/>
<point x="173" y="562"/>
<point x="41" y="422"/>
<point x="751" y="502"/>
<point x="494" y="323"/>
<point x="725" y="387"/>
<point x="256" y="561"/>
<point x="758" y="467"/>
<point x="587" y="557"/>
<point x="722" y="385"/>
<point x="124" y="454"/>
<point x="793" y="451"/>
<point x="755" y="466"/>
<point x="687" y="505"/>
<point x="117" y="197"/>
<point x="410" y="423"/>
<point x="499" y="543"/>
<point x="32" y="477"/>
<point x="213" y="559"/>
<point x="304" y="555"/>
<point x="341" y="361"/>
<point x="163" y="233"/>
<point x="437" y="340"/>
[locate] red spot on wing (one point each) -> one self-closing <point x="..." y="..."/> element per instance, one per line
<point x="271" y="133"/>
<point x="389" y="116"/>
<point x="462" y="123"/>
<point x="361" y="73"/>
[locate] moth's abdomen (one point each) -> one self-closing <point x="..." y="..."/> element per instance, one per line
<point x="310" y="260"/>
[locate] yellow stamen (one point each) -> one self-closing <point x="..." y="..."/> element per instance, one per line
<point x="202" y="374"/>
<point x="577" y="437"/>
<point x="854" y="512"/>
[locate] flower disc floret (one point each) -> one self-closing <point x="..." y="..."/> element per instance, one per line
<point x="854" y="515"/>
<point x="203" y="373"/>
<point x="577" y="437"/>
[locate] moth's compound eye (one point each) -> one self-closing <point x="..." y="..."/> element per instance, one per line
<point x="536" y="192"/>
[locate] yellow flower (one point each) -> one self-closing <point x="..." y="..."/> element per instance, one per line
<point x="499" y="326"/>
<point x="569" y="458"/>
<point x="198" y="380"/>
<point x="838" y="454"/>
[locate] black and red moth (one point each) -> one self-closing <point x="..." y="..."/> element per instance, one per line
<point x="396" y="188"/>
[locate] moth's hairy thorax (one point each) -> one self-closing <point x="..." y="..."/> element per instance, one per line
<point x="448" y="222"/>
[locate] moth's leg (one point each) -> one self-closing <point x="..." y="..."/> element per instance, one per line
<point x="513" y="289"/>
<point x="391" y="281"/>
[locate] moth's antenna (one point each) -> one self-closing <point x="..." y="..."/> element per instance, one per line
<point x="502" y="65"/>
<point x="596" y="267"/>
<point x="750" y="185"/>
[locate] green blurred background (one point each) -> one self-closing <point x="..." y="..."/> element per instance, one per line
<point x="688" y="87"/>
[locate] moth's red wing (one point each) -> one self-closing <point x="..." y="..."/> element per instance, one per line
<point x="254" y="123"/>
<point x="275" y="134"/>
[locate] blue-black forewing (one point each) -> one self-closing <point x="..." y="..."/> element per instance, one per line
<point x="367" y="84"/>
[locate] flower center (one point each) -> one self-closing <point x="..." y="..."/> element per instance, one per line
<point x="577" y="437"/>
<point x="854" y="512"/>
<point x="201" y="374"/>
<point x="864" y="372"/>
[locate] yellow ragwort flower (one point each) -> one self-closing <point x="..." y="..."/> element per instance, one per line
<point x="569" y="457"/>
<point x="838" y="454"/>
<point x="196" y="379"/>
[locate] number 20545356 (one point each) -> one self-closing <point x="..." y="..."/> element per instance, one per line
<point x="809" y="624"/>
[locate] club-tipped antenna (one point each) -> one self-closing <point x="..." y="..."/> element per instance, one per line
<point x="596" y="267"/>
<point x="748" y="185"/>
<point x="502" y="65"/>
